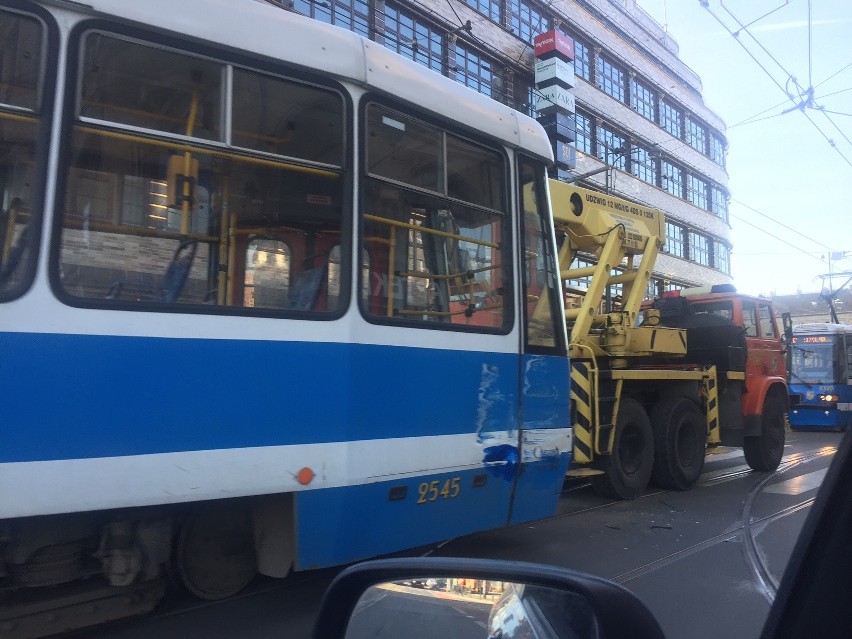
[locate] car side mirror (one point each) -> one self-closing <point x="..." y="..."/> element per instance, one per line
<point x="459" y="598"/>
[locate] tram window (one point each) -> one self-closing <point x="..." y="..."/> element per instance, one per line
<point x="334" y="273"/>
<point x="21" y="58"/>
<point x="404" y="150"/>
<point x="433" y="262"/>
<point x="21" y="43"/>
<point x="143" y="86"/>
<point x="285" y="118"/>
<point x="437" y="251"/>
<point x="849" y="359"/>
<point x="157" y="219"/>
<point x="540" y="281"/>
<point x="474" y="174"/>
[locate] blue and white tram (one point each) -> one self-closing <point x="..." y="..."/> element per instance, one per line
<point x="821" y="376"/>
<point x="271" y="297"/>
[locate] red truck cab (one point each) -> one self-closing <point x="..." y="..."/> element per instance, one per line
<point x="739" y="334"/>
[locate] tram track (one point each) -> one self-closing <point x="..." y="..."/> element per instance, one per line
<point x="745" y="532"/>
<point x="707" y="479"/>
<point x="767" y="584"/>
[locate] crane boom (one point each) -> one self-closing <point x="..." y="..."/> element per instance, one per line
<point x="625" y="239"/>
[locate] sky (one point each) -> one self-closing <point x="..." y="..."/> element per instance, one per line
<point x="791" y="190"/>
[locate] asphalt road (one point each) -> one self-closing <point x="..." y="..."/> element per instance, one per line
<point x="707" y="561"/>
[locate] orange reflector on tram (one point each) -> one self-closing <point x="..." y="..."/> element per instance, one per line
<point x="305" y="476"/>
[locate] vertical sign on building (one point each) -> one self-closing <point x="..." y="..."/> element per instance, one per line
<point x="554" y="78"/>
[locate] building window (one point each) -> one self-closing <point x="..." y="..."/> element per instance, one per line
<point x="654" y="285"/>
<point x="671" y="178"/>
<point x="610" y="78"/>
<point x="671" y="119"/>
<point x="674" y="240"/>
<point x="722" y="257"/>
<point x="582" y="60"/>
<point x="643" y="165"/>
<point x="611" y="147"/>
<point x="353" y="15"/>
<point x="717" y="150"/>
<point x="644" y="99"/>
<point x="720" y="203"/>
<point x="474" y="71"/>
<point x="696" y="135"/>
<point x="580" y="282"/>
<point x="696" y="191"/>
<point x="527" y="21"/>
<point x="267" y="274"/>
<point x="414" y="40"/>
<point x="699" y="248"/>
<point x="525" y="96"/>
<point x="491" y="8"/>
<point x="584" y="132"/>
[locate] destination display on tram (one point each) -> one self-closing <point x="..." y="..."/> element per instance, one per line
<point x="812" y="339"/>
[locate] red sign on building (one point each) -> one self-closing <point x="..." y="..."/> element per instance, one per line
<point x="554" y="43"/>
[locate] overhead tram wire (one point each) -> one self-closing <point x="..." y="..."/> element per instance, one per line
<point x="836" y="73"/>
<point x="782" y="103"/>
<point x="828" y="139"/>
<point x="810" y="48"/>
<point x="800" y="250"/>
<point x="768" y="117"/>
<point x="789" y="228"/>
<point x="839" y="130"/>
<point x="829" y="95"/>
<point x="744" y="28"/>
<point x="706" y="5"/>
<point x="751" y="118"/>
<point x="768" y="13"/>
<point x="754" y="118"/>
<point x="809" y="91"/>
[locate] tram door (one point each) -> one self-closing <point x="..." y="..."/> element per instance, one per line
<point x="545" y="433"/>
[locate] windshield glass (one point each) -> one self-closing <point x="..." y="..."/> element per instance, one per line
<point x="814" y="362"/>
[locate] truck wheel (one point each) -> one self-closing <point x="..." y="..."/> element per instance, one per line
<point x="630" y="464"/>
<point x="215" y="556"/>
<point x="679" y="443"/>
<point x="764" y="453"/>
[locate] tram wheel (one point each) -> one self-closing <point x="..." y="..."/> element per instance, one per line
<point x="679" y="443"/>
<point x="763" y="453"/>
<point x="630" y="464"/>
<point x="215" y="555"/>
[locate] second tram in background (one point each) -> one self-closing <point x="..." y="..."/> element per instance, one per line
<point x="821" y="376"/>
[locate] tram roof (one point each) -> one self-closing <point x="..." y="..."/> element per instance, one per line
<point x="270" y="31"/>
<point x="822" y="327"/>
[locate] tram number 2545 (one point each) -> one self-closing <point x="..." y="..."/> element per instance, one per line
<point x="432" y="490"/>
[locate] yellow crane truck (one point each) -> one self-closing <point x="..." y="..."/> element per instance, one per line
<point x="655" y="384"/>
